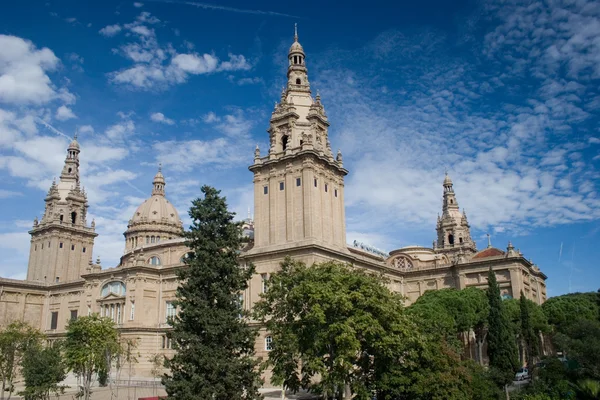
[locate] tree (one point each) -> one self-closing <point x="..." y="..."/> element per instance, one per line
<point x="157" y="360"/>
<point x="561" y="310"/>
<point x="215" y="346"/>
<point x="128" y="355"/>
<point x="91" y="346"/>
<point x="14" y="342"/>
<point x="341" y="332"/>
<point x="528" y="335"/>
<point x="43" y="369"/>
<point x="502" y="350"/>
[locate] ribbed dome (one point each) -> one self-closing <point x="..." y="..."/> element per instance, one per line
<point x="296" y="48"/>
<point x="156" y="209"/>
<point x="447" y="180"/>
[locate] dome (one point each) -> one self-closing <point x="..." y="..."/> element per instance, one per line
<point x="296" y="48"/>
<point x="74" y="144"/>
<point x="447" y="180"/>
<point x="156" y="209"/>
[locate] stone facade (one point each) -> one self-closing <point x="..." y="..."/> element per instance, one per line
<point x="299" y="211"/>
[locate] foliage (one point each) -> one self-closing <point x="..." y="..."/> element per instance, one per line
<point x="43" y="369"/>
<point x="581" y="342"/>
<point x="502" y="349"/>
<point x="344" y="327"/>
<point x="91" y="346"/>
<point x="450" y="312"/>
<point x="562" y="311"/>
<point x="482" y="385"/>
<point x="589" y="389"/>
<point x="15" y="339"/>
<point x="528" y="335"/>
<point x="157" y="361"/>
<point x="215" y="347"/>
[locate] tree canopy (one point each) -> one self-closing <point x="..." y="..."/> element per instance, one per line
<point x="214" y="343"/>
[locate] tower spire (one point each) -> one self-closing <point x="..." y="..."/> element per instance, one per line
<point x="159" y="182"/>
<point x="295" y="32"/>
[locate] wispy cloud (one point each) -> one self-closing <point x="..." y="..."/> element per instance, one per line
<point x="208" y="6"/>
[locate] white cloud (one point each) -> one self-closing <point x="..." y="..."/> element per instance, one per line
<point x="64" y="113"/>
<point x="594" y="140"/>
<point x="137" y="4"/>
<point x="160" y="117"/>
<point x="158" y="67"/>
<point x="23" y="73"/>
<point x="211" y="117"/>
<point x="4" y="194"/>
<point x="110" y="30"/>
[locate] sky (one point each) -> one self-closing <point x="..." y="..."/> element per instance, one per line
<point x="502" y="94"/>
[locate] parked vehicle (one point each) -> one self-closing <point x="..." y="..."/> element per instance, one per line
<point x="522" y="374"/>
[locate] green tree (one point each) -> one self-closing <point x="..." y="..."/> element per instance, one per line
<point x="43" y="370"/>
<point x="581" y="343"/>
<point x="502" y="350"/>
<point x="92" y="344"/>
<point x="215" y="346"/>
<point x="342" y="333"/>
<point x="157" y="361"/>
<point x="562" y="311"/>
<point x="14" y="341"/>
<point x="528" y="335"/>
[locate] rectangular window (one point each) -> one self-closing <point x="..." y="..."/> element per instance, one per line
<point x="132" y="314"/>
<point x="264" y="281"/>
<point x="72" y="247"/>
<point x="54" y="320"/>
<point x="84" y="249"/>
<point x="166" y="342"/>
<point x="268" y="343"/>
<point x="325" y="187"/>
<point x="35" y="249"/>
<point x="315" y="182"/>
<point x="118" y="314"/>
<point x="266" y="190"/>
<point x="89" y="311"/>
<point x="60" y="245"/>
<point x="112" y="312"/>
<point x="281" y="186"/>
<point x="335" y="192"/>
<point x="42" y="246"/>
<point x="73" y="315"/>
<point x="57" y="279"/>
<point x="171" y="311"/>
<point x="48" y="244"/>
<point x="298" y="181"/>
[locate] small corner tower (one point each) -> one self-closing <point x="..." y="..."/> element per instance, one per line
<point x="453" y="230"/>
<point x="298" y="184"/>
<point x="62" y="242"/>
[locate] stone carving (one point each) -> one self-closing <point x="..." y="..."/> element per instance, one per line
<point x="403" y="264"/>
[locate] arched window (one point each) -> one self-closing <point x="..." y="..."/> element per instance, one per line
<point x="151" y="239"/>
<point x="298" y="81"/>
<point x="147" y="239"/>
<point x="451" y="239"/>
<point x="460" y="240"/>
<point x="284" y="142"/>
<point x="115" y="287"/>
<point x="157" y="239"/>
<point x="185" y="257"/>
<point x="73" y="217"/>
<point x="61" y="218"/>
<point x="154" y="260"/>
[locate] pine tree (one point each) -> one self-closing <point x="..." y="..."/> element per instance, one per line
<point x="215" y="345"/>
<point x="502" y="349"/>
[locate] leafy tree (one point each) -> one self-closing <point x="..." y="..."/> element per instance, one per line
<point x="92" y="344"/>
<point x="157" y="360"/>
<point x="562" y="311"/>
<point x="215" y="347"/>
<point x="43" y="369"/>
<point x="340" y="332"/>
<point x="581" y="342"/>
<point x="14" y="342"/>
<point x="502" y="350"/>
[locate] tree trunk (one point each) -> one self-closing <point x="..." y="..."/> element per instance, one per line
<point x="3" y="388"/>
<point x="506" y="391"/>
<point x="347" y="392"/>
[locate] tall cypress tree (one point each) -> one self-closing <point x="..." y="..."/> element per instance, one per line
<point x="527" y="332"/>
<point x="502" y="348"/>
<point x="214" y="345"/>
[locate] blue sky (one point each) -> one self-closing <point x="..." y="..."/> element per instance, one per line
<point x="502" y="94"/>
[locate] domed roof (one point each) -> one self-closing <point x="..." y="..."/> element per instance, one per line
<point x="447" y="180"/>
<point x="157" y="209"/>
<point x="74" y="144"/>
<point x="296" y="46"/>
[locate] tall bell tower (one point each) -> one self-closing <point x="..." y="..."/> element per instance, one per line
<point x="298" y="184"/>
<point x="453" y="229"/>
<point x="62" y="242"/>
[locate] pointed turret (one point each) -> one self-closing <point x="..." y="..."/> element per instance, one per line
<point x="452" y="227"/>
<point x="159" y="183"/>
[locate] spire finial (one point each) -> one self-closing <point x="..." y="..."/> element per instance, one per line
<point x="295" y="32"/>
<point x="489" y="240"/>
<point x="159" y="167"/>
<point x="75" y="137"/>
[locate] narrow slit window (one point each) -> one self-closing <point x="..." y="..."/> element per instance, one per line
<point x="281" y="186"/>
<point x="72" y="247"/>
<point x="265" y="190"/>
<point x="84" y="249"/>
<point x="315" y="182"/>
<point x="326" y="187"/>
<point x="60" y="245"/>
<point x="298" y="181"/>
<point x="335" y="192"/>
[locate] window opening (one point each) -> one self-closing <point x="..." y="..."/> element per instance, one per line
<point x="460" y="240"/>
<point x="54" y="320"/>
<point x="284" y="142"/>
<point x="60" y="245"/>
<point x="335" y="192"/>
<point x="72" y="247"/>
<point x="315" y="182"/>
<point x="298" y="181"/>
<point x="298" y="81"/>
<point x="281" y="186"/>
<point x="73" y="315"/>
<point x="73" y="217"/>
<point x="70" y="169"/>
<point x="84" y="249"/>
<point x="269" y="343"/>
<point x="451" y="239"/>
<point x="266" y="190"/>
<point x="264" y="281"/>
<point x="61" y="218"/>
<point x="325" y="187"/>
<point x="171" y="311"/>
<point x="132" y="314"/>
<point x="57" y="279"/>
